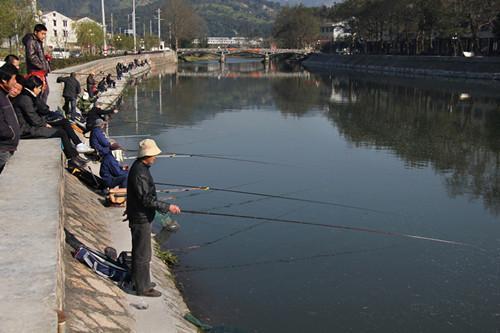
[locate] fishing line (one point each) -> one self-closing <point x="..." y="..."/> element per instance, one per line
<point x="333" y="226"/>
<point x="187" y="268"/>
<point x="329" y="203"/>
<point x="234" y="233"/>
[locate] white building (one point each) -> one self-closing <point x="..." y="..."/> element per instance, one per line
<point x="331" y="32"/>
<point x="61" y="30"/>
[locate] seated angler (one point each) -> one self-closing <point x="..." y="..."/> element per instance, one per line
<point x="101" y="86"/>
<point x="110" y="82"/>
<point x="43" y="123"/>
<point x="111" y="172"/>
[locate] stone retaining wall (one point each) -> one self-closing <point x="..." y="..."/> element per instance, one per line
<point x="458" y="67"/>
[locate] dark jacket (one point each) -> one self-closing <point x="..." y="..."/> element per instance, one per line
<point x="99" y="142"/>
<point x="71" y="86"/>
<point x="26" y="104"/>
<point x="142" y="202"/>
<point x="90" y="83"/>
<point x="94" y="114"/>
<point x="110" y="168"/>
<point x="35" y="57"/>
<point x="30" y="109"/>
<point x="10" y="131"/>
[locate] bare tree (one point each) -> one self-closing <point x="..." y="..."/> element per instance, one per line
<point x="184" y="22"/>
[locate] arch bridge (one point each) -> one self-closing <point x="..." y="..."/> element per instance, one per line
<point x="265" y="53"/>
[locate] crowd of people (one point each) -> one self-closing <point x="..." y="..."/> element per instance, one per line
<point x="24" y="114"/>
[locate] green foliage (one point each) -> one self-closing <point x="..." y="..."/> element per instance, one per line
<point x="89" y="36"/>
<point x="167" y="257"/>
<point x="296" y="27"/>
<point x="123" y="42"/>
<point x="16" y="18"/>
<point x="420" y="20"/>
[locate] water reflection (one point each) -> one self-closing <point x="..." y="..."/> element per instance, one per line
<point x="418" y="147"/>
<point x="459" y="137"/>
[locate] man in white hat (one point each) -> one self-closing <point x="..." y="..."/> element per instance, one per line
<point x="142" y="205"/>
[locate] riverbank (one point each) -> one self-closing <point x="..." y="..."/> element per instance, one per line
<point x="421" y="66"/>
<point x="113" y="309"/>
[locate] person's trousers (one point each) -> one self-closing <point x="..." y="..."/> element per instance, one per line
<point x="4" y="157"/>
<point x="120" y="181"/>
<point x="70" y="107"/>
<point x="141" y="256"/>
<point x="65" y="125"/>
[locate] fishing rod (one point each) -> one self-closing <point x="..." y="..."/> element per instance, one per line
<point x="333" y="226"/>
<point x="320" y="202"/>
<point x="153" y="123"/>
<point x="218" y="157"/>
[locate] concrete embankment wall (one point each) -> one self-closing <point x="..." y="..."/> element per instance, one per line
<point x="457" y="67"/>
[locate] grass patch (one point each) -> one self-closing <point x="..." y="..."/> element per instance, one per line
<point x="167" y="257"/>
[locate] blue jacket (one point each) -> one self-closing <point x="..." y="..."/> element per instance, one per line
<point x="110" y="168"/>
<point x="99" y="142"/>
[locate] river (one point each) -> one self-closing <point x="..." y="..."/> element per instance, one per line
<point x="418" y="157"/>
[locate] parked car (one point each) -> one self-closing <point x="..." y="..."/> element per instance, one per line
<point x="60" y="53"/>
<point x="75" y="54"/>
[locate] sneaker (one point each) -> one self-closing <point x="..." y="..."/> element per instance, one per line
<point x="82" y="148"/>
<point x="150" y="293"/>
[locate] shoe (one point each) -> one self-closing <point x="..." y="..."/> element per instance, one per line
<point x="150" y="293"/>
<point x="82" y="148"/>
<point x="151" y="286"/>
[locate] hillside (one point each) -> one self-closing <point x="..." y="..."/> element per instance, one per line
<point x="223" y="17"/>
<point x="308" y="3"/>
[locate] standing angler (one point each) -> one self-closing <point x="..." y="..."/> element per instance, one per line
<point x="70" y="93"/>
<point x="36" y="61"/>
<point x="142" y="205"/>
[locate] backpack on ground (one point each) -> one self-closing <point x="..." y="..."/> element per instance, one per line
<point x="102" y="265"/>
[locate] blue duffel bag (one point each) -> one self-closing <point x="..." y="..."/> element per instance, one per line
<point x="102" y="265"/>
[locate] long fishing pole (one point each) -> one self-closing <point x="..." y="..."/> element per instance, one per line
<point x="217" y="157"/>
<point x="320" y="202"/>
<point x="153" y="123"/>
<point x="333" y="226"/>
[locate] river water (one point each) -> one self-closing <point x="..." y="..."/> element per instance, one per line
<point x="412" y="156"/>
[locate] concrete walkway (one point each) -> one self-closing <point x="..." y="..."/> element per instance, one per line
<point x="31" y="282"/>
<point x="99" y="227"/>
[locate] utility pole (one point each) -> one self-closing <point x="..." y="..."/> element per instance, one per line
<point x="105" y="46"/>
<point x="150" y="28"/>
<point x="159" y="28"/>
<point x="133" y="26"/>
<point x="112" y="32"/>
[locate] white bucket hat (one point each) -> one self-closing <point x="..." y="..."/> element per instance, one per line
<point x="85" y="96"/>
<point x="148" y="147"/>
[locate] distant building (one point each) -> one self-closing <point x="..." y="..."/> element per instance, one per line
<point x="333" y="32"/>
<point x="60" y="30"/>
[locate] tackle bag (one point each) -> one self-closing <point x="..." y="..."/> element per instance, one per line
<point x="101" y="265"/>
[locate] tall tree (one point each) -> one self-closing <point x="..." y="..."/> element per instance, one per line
<point x="183" y="21"/>
<point x="296" y="27"/>
<point x="89" y="36"/>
